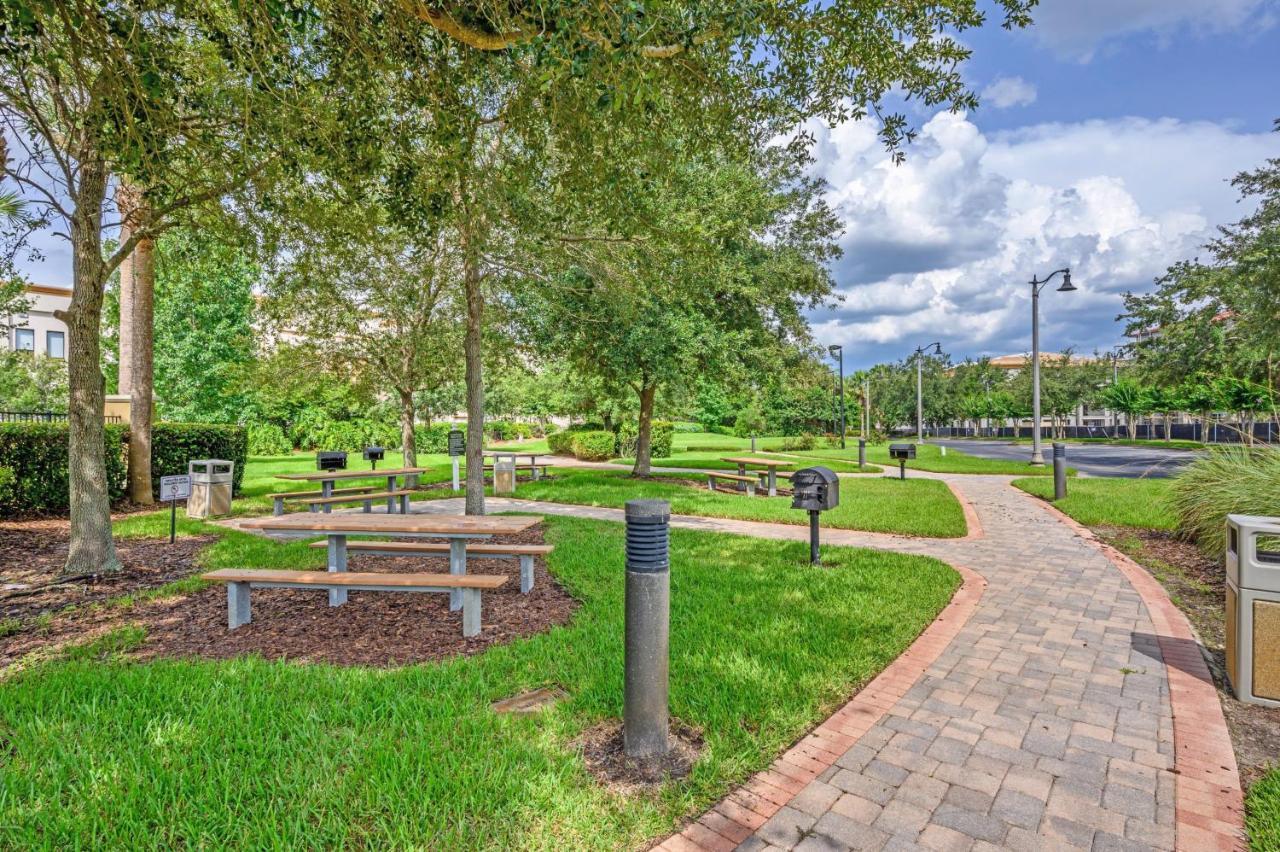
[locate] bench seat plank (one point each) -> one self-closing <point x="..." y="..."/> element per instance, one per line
<point x="302" y="495"/>
<point x="322" y="579"/>
<point x="357" y="498"/>
<point x="431" y="547"/>
<point x="733" y="476"/>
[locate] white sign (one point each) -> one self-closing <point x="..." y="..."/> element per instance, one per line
<point x="175" y="487"/>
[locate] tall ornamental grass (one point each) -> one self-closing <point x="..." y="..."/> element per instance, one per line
<point x="1225" y="481"/>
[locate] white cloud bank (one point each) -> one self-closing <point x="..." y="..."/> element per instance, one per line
<point x="1078" y="28"/>
<point x="943" y="245"/>
<point x="1005" y="92"/>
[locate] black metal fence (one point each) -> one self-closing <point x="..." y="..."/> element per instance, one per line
<point x="1213" y="433"/>
<point x="44" y="417"/>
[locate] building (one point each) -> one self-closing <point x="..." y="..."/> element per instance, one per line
<point x="37" y="329"/>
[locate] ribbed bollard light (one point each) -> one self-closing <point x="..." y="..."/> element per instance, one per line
<point x="1059" y="470"/>
<point x="648" y="609"/>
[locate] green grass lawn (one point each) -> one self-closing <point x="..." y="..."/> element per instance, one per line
<point x="1111" y="502"/>
<point x="922" y="507"/>
<point x="105" y="752"/>
<point x="929" y="457"/>
<point x="714" y="460"/>
<point x="1262" y="813"/>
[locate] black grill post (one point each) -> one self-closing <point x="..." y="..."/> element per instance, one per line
<point x="648" y="614"/>
<point x="814" y="557"/>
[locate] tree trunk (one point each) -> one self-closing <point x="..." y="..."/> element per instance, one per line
<point x="124" y="357"/>
<point x="91" y="550"/>
<point x="644" y="434"/>
<point x="139" y="281"/>
<point x="1168" y="426"/>
<point x="471" y="350"/>
<point x="408" y="444"/>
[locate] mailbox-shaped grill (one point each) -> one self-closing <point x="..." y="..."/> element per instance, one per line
<point x="815" y="489"/>
<point x="374" y="454"/>
<point x="331" y="460"/>
<point x="902" y="451"/>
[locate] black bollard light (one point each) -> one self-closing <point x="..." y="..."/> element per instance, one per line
<point x="648" y="613"/>
<point x="862" y="452"/>
<point x="1059" y="470"/>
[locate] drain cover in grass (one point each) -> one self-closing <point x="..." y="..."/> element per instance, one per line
<point x="530" y="702"/>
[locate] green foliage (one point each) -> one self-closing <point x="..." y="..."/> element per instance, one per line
<point x="508" y="430"/>
<point x="1262" y="812"/>
<point x="32" y="382"/>
<point x="175" y="444"/>
<point x="661" y="437"/>
<point x="8" y="489"/>
<point x="268" y="439"/>
<point x="561" y="443"/>
<point x="595" y="446"/>
<point x="433" y="438"/>
<point x="1225" y="481"/>
<point x="36" y="453"/>
<point x="796" y="443"/>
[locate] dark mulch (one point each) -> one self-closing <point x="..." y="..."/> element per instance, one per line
<point x="603" y="752"/>
<point x="33" y="552"/>
<point x="373" y="628"/>
<point x="1197" y="585"/>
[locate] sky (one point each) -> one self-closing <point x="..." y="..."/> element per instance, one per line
<point x="1105" y="142"/>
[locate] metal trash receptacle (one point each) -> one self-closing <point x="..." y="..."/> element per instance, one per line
<point x="211" y="483"/>
<point x="1253" y="608"/>
<point x="504" y="475"/>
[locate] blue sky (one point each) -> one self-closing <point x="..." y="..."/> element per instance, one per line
<point x="1106" y="140"/>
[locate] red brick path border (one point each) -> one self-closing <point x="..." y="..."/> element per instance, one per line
<point x="1209" y="802"/>
<point x="738" y="815"/>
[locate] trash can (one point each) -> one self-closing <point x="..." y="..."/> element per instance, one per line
<point x="1253" y="608"/>
<point x="211" y="481"/>
<point x="504" y="475"/>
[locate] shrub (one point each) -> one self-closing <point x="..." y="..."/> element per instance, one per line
<point x="433" y="438"/>
<point x="798" y="442"/>
<point x="509" y="430"/>
<point x="8" y="489"/>
<point x="36" y="453"/>
<point x="597" y="445"/>
<point x="1225" y="481"/>
<point x="661" y="438"/>
<point x="561" y="443"/>
<point x="268" y="439"/>
<point x="175" y="444"/>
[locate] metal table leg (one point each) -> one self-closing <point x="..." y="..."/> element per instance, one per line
<point x="326" y="490"/>
<point x="391" y="501"/>
<point x="458" y="566"/>
<point x="337" y="563"/>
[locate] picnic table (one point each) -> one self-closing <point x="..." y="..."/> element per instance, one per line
<point x="771" y="464"/>
<point x="327" y="478"/>
<point x="496" y="455"/>
<point x="457" y="529"/>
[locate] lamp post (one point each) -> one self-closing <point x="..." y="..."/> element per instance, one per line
<point x="866" y="407"/>
<point x="837" y="351"/>
<point x="920" y="350"/>
<point x="1037" y="456"/>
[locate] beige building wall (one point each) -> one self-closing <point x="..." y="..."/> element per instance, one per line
<point x="38" y="330"/>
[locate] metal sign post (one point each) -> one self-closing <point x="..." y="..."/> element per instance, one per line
<point x="457" y="449"/>
<point x="173" y="489"/>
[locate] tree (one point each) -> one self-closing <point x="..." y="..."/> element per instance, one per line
<point x="1129" y="398"/>
<point x="178" y="100"/>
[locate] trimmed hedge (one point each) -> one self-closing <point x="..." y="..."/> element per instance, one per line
<point x="661" y="439"/>
<point x="594" y="446"/>
<point x="37" y="455"/>
<point x="175" y="444"/>
<point x="8" y="489"/>
<point x="561" y="443"/>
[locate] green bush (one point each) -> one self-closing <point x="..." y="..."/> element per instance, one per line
<point x="798" y="442"/>
<point x="510" y="430"/>
<point x="433" y="438"/>
<point x="268" y="439"/>
<point x="36" y="453"/>
<point x="598" y="445"/>
<point x="561" y="443"/>
<point x="175" y="444"/>
<point x="8" y="489"/>
<point x="1225" y="481"/>
<point x="661" y="439"/>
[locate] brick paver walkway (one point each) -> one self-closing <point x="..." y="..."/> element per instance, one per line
<point x="1044" y="722"/>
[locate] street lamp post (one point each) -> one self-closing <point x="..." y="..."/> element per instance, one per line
<point x="838" y="352"/>
<point x="920" y="350"/>
<point x="1037" y="456"/>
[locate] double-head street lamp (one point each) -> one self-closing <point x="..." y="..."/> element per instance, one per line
<point x="837" y="351"/>
<point x="1037" y="456"/>
<point x="920" y="351"/>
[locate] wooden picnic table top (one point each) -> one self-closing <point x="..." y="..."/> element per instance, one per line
<point x="359" y="523"/>
<point x="321" y="475"/>
<point x="757" y="460"/>
<point x="510" y="453"/>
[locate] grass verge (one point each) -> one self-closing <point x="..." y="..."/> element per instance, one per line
<point x="109" y="752"/>
<point x="929" y="457"/>
<point x="919" y="507"/>
<point x="1111" y="502"/>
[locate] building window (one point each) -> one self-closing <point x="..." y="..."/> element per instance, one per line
<point x="24" y="339"/>
<point x="56" y="344"/>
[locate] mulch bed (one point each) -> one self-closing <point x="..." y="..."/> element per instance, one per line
<point x="602" y="748"/>
<point x="1197" y="585"/>
<point x="372" y="629"/>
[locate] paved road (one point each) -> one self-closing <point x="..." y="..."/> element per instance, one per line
<point x="1089" y="459"/>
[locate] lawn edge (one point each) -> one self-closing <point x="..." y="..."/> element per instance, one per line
<point x="739" y="814"/>
<point x="1209" y="800"/>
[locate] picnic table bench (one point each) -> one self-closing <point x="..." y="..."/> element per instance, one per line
<point x="771" y="469"/>
<point x="327" y="479"/>
<point x="523" y="552"/>
<point x="749" y="482"/>
<point x="301" y="496"/>
<point x="240" y="581"/>
<point x="537" y="469"/>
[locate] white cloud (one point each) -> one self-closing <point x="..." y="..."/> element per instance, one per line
<point x="1005" y="92"/>
<point x="1077" y="28"/>
<point x="943" y="245"/>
